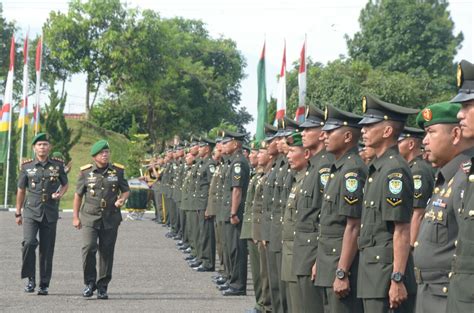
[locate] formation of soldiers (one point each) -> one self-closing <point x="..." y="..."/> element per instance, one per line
<point x="328" y="225"/>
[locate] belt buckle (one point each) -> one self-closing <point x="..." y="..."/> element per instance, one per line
<point x="103" y="203"/>
<point x="44" y="197"/>
<point x="418" y="278"/>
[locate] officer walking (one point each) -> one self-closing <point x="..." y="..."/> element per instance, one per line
<point x="104" y="189"/>
<point x="386" y="279"/>
<point x="42" y="182"/>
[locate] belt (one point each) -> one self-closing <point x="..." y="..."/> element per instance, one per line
<point x="434" y="276"/>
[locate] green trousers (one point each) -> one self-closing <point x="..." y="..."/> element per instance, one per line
<point x="236" y="250"/>
<point x="382" y="305"/>
<point x="208" y="243"/>
<point x="254" y="258"/>
<point x="266" y="297"/>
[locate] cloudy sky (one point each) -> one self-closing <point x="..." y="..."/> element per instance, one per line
<point x="249" y="23"/>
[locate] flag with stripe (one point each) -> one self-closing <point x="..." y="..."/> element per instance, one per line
<point x="36" y="108"/>
<point x="262" y="98"/>
<point x="281" y="96"/>
<point x="300" y="110"/>
<point x="23" y="114"/>
<point x="6" y="113"/>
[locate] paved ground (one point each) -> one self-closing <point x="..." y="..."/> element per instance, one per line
<point x="150" y="275"/>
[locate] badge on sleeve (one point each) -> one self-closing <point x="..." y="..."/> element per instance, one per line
<point x="351" y="182"/>
<point x="212" y="168"/>
<point x="417" y="181"/>
<point x="324" y="175"/>
<point x="237" y="168"/>
<point x="395" y="186"/>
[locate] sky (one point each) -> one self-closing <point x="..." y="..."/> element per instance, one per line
<point x="249" y="23"/>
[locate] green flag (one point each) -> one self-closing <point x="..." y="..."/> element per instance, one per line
<point x="262" y="98"/>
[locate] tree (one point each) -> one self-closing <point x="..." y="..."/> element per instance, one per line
<point x="406" y="36"/>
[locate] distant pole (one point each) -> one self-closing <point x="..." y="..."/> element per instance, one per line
<point x="472" y="31"/>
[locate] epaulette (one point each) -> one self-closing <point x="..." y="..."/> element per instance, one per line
<point x="58" y="159"/>
<point x="85" y="167"/>
<point x="26" y="161"/>
<point x="466" y="166"/>
<point x="120" y="166"/>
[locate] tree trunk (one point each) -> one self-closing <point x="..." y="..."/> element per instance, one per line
<point x="150" y="120"/>
<point x="87" y="97"/>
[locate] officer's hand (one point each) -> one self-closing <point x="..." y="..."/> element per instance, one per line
<point x="19" y="220"/>
<point x="341" y="287"/>
<point x="56" y="196"/>
<point x="76" y="222"/>
<point x="206" y="215"/>
<point x="397" y="294"/>
<point x="234" y="220"/>
<point x="313" y="272"/>
<point x="119" y="202"/>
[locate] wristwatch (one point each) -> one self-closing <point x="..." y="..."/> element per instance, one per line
<point x="340" y="273"/>
<point x="233" y="215"/>
<point x="397" y="277"/>
<point x="17" y="215"/>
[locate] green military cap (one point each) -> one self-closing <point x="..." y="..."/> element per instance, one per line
<point x="255" y="145"/>
<point x="40" y="137"/>
<point x="206" y="142"/>
<point x="376" y="110"/>
<point x="230" y="135"/>
<point x="294" y="139"/>
<point x="336" y="118"/>
<point x="314" y="117"/>
<point x="438" y="113"/>
<point x="99" y="146"/>
<point x="286" y="126"/>
<point x="218" y="139"/>
<point x="465" y="82"/>
<point x="270" y="131"/>
<point x="263" y="145"/>
<point x="58" y="155"/>
<point x="411" y="132"/>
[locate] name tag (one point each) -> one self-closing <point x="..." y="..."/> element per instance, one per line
<point x="292" y="196"/>
<point x="112" y="178"/>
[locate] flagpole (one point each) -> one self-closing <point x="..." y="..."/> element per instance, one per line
<point x="12" y="62"/>
<point x="39" y="60"/>
<point x="24" y="107"/>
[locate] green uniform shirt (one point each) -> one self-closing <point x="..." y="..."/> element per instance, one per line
<point x="307" y="230"/>
<point x="178" y="182"/>
<point x="204" y="172"/>
<point x="100" y="188"/>
<point x="221" y="211"/>
<point x="388" y="198"/>
<point x="213" y="191"/>
<point x="237" y="175"/>
<point x="342" y="199"/>
<point x="246" y="232"/>
<point x="257" y="207"/>
<point x="41" y="180"/>
<point x="268" y="197"/>
<point x="423" y="180"/>
<point x="186" y="196"/>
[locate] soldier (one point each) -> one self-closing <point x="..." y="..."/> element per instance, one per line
<point x="337" y="256"/>
<point x="439" y="229"/>
<point x="246" y="232"/>
<point x="178" y="183"/>
<point x="206" y="225"/>
<point x="409" y="144"/>
<point x="298" y="161"/>
<point x="46" y="182"/>
<point x="104" y="189"/>
<point x="192" y="221"/>
<point x="235" y="190"/>
<point x="460" y="296"/>
<point x="386" y="279"/>
<point x="186" y="198"/>
<point x="306" y="228"/>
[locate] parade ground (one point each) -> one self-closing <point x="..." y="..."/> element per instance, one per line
<point x="149" y="274"/>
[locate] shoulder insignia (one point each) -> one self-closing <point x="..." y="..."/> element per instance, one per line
<point x="26" y="161"/>
<point x="466" y="166"/>
<point x="120" y="166"/>
<point x="58" y="159"/>
<point x="85" y="167"/>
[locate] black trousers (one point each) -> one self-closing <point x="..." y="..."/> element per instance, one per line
<point x="47" y="239"/>
<point x="102" y="240"/>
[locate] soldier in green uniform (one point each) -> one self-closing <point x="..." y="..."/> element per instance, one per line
<point x="246" y="232"/>
<point x="165" y="181"/>
<point x="186" y="198"/>
<point x="104" y="189"/>
<point x="206" y="244"/>
<point x="460" y="296"/>
<point x="178" y="183"/>
<point x="386" y="279"/>
<point x="435" y="245"/>
<point x="409" y="144"/>
<point x="337" y="254"/>
<point x="192" y="220"/>
<point x="42" y="182"/>
<point x="298" y="161"/>
<point x="235" y="190"/>
<point x="306" y="228"/>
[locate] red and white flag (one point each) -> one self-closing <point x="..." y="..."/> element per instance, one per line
<point x="23" y="115"/>
<point x="281" y="96"/>
<point x="36" y="107"/>
<point x="300" y="111"/>
<point x="6" y="113"/>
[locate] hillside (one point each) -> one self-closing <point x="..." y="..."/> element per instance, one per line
<point x="80" y="154"/>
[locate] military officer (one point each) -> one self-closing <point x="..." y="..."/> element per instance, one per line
<point x="386" y="279"/>
<point x="460" y="296"/>
<point x="235" y="190"/>
<point x="409" y="144"/>
<point x="186" y="199"/>
<point x="104" y="189"/>
<point x="307" y="230"/>
<point x="341" y="210"/>
<point x="435" y="246"/>
<point x="42" y="182"/>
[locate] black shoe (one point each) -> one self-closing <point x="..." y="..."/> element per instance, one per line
<point x="177" y="238"/>
<point x="183" y="247"/>
<point x="102" y="294"/>
<point x="253" y="310"/>
<point x="89" y="291"/>
<point x="189" y="258"/>
<point x="221" y="281"/>
<point x="223" y="287"/>
<point x="179" y="243"/>
<point x="188" y="250"/>
<point x="195" y="264"/>
<point x="215" y="277"/>
<point x="43" y="291"/>
<point x="203" y="269"/>
<point x="233" y="292"/>
<point x="30" y="285"/>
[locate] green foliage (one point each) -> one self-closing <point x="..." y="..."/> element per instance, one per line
<point x="406" y="36"/>
<point x="137" y="150"/>
<point x="223" y="125"/>
<point x="55" y="125"/>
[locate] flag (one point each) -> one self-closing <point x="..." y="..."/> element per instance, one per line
<point x="36" y="108"/>
<point x="23" y="114"/>
<point x="6" y="114"/>
<point x="262" y="98"/>
<point x="281" y="96"/>
<point x="300" y="111"/>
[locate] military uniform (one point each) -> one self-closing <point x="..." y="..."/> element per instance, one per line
<point x="388" y="199"/>
<point x="100" y="218"/>
<point x="40" y="214"/>
<point x="221" y="218"/>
